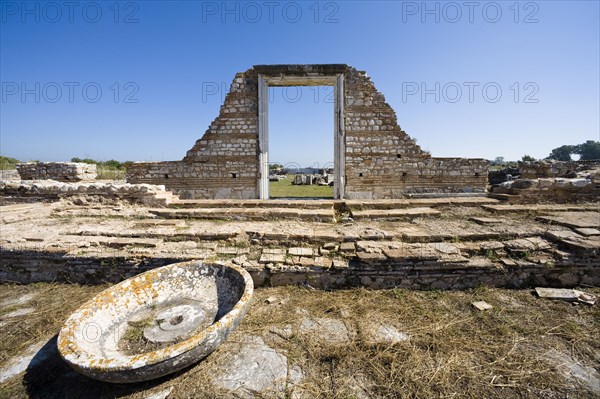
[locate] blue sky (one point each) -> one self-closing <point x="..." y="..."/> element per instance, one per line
<point x="142" y="80"/>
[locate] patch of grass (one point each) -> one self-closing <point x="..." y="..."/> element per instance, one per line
<point x="8" y="163"/>
<point x="285" y="189"/>
<point x="109" y="173"/>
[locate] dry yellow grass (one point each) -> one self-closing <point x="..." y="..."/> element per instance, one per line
<point x="453" y="349"/>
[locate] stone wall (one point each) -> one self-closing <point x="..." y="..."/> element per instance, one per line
<point x="30" y="266"/>
<point x="60" y="171"/>
<point x="537" y="169"/>
<point x="9" y="175"/>
<point x="82" y="193"/>
<point x="381" y="160"/>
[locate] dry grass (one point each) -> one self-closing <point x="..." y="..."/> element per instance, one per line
<point x="453" y="350"/>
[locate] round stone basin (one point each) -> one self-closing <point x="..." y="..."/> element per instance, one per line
<point x="156" y="323"/>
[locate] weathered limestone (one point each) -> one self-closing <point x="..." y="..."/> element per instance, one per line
<point x="145" y="194"/>
<point x="376" y="158"/>
<point x="61" y="171"/>
<point x="190" y="308"/>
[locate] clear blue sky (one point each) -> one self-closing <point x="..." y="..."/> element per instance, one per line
<point x="163" y="68"/>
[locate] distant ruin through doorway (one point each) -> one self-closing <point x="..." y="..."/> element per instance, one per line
<point x="271" y="77"/>
<point x="301" y="142"/>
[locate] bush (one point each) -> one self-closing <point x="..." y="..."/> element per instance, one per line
<point x="7" y="163"/>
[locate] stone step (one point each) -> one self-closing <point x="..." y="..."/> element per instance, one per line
<point x="320" y="215"/>
<point x="253" y="203"/>
<point x="540" y="208"/>
<point x="410" y="213"/>
<point x="329" y="204"/>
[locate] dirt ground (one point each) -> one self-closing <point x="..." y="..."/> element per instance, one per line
<point x="435" y="345"/>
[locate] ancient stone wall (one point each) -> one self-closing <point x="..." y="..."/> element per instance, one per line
<point x="537" y="169"/>
<point x="381" y="160"/>
<point x="9" y="175"/>
<point x="84" y="193"/>
<point x="61" y="171"/>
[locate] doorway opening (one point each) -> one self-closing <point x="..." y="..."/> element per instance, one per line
<point x="301" y="141"/>
<point x="314" y="175"/>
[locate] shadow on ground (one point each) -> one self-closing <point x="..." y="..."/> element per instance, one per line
<point x="49" y="376"/>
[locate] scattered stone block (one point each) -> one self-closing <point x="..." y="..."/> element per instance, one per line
<point x="562" y="294"/>
<point x="482" y="305"/>
<point x="385" y="334"/>
<point x="254" y="368"/>
<point x="330" y="330"/>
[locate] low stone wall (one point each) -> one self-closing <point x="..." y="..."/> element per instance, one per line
<point x="28" y="266"/>
<point x="145" y="194"/>
<point x="551" y="190"/>
<point x="427" y="175"/>
<point x="9" y="175"/>
<point x="549" y="168"/>
<point x="60" y="171"/>
<point x="234" y="179"/>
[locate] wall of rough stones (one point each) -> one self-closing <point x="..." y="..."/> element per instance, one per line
<point x="9" y="175"/>
<point x="30" y="266"/>
<point x="381" y="160"/>
<point x="146" y="194"/>
<point x="537" y="169"/>
<point x="61" y="171"/>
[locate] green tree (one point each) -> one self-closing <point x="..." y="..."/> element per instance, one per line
<point x="111" y="163"/>
<point x="562" y="153"/>
<point x="528" y="158"/>
<point x="588" y="150"/>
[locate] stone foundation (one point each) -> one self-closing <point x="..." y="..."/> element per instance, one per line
<point x="379" y="160"/>
<point x="84" y="193"/>
<point x="45" y="266"/>
<point x="60" y="171"/>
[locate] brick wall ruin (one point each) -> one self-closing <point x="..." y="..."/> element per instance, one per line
<point x="381" y="160"/>
<point x="60" y="171"/>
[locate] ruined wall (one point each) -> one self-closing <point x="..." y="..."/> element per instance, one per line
<point x="382" y="161"/>
<point x="85" y="193"/>
<point x="224" y="162"/>
<point x="61" y="171"/>
<point x="540" y="169"/>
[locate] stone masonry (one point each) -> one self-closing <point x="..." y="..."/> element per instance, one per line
<point x="380" y="160"/>
<point x="60" y="171"/>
